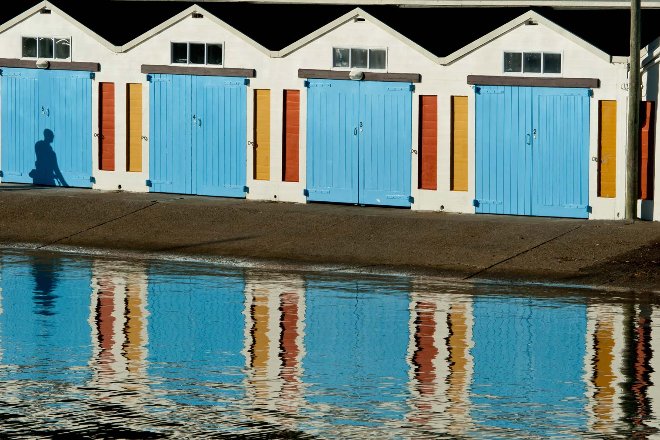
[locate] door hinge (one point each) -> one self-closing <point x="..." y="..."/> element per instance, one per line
<point x="477" y="90"/>
<point x="2" y="174"/>
<point x="92" y="179"/>
<point x="0" y="72"/>
<point x="306" y="83"/>
<point x="475" y="203"/>
<point x="589" y="209"/>
<point x="412" y="87"/>
<point x="590" y="93"/>
<point x="411" y="199"/>
<point x="92" y="75"/>
<point x="150" y="78"/>
<point x="246" y="81"/>
<point x="246" y="189"/>
<point x="148" y="183"/>
<point x="306" y="192"/>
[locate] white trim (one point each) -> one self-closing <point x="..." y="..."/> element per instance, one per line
<point x="520" y="21"/>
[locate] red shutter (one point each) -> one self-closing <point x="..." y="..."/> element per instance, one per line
<point x="291" y="136"/>
<point x="107" y="126"/>
<point x="428" y="142"/>
<point x="647" y="149"/>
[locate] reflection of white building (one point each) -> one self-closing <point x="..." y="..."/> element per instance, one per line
<point x="440" y="363"/>
<point x="274" y="315"/>
<point x="604" y="359"/>
<point x="118" y="319"/>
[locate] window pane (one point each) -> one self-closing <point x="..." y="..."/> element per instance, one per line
<point x="358" y="57"/>
<point x="532" y="62"/>
<point x="340" y="57"/>
<point x="30" y="47"/>
<point x="45" y="48"/>
<point x="197" y="53"/>
<point x="512" y="61"/>
<point x="377" y="58"/>
<point x="551" y="63"/>
<point x="62" y="48"/>
<point x="180" y="53"/>
<point x="214" y="54"/>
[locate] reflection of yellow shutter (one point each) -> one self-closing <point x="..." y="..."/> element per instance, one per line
<point x="459" y="143"/>
<point x="458" y="345"/>
<point x="603" y="378"/>
<point x="607" y="148"/>
<point x="134" y="327"/>
<point x="262" y="134"/>
<point x="134" y="127"/>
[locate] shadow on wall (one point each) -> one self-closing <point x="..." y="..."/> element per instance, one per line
<point x="46" y="171"/>
<point x="651" y="94"/>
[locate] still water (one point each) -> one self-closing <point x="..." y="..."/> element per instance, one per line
<point x="105" y="348"/>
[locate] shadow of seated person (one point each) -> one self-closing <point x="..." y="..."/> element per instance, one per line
<point x="46" y="171"/>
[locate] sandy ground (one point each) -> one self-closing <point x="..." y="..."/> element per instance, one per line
<point x="460" y="246"/>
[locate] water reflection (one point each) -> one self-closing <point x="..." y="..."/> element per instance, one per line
<point x="108" y="348"/>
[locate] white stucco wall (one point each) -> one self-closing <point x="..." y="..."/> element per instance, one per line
<point x="279" y="73"/>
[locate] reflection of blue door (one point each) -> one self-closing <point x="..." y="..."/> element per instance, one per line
<point x="528" y="366"/>
<point x="59" y="101"/>
<point x="532" y="151"/>
<point x="198" y="135"/>
<point x="196" y="333"/>
<point x="359" y="137"/>
<point x="356" y="343"/>
<point x="45" y="319"/>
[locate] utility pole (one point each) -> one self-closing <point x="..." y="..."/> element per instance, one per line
<point x="634" y="83"/>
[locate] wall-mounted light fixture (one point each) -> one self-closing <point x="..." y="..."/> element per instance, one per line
<point x="43" y="64"/>
<point x="356" y="75"/>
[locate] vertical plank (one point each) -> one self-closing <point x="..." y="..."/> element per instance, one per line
<point x="262" y="135"/>
<point x="134" y="127"/>
<point x="291" y="136"/>
<point x="107" y="126"/>
<point x="459" y="143"/>
<point x="647" y="150"/>
<point x="428" y="142"/>
<point x="607" y="148"/>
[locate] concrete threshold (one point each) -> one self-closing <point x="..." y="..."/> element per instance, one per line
<point x="611" y="255"/>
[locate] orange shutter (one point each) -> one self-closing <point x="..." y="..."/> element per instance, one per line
<point x="291" y="136"/>
<point x="107" y="126"/>
<point x="428" y="142"/>
<point x="647" y="149"/>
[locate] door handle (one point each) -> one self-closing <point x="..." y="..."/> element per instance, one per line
<point x="534" y="133"/>
<point x="529" y="139"/>
<point x="355" y="132"/>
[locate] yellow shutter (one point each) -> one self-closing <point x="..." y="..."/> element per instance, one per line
<point x="134" y="127"/>
<point x="262" y="134"/>
<point x="459" y="143"/>
<point x="607" y="148"/>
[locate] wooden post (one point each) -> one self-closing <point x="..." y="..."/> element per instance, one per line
<point x="634" y="83"/>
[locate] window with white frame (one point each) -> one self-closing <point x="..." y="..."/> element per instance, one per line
<point x="532" y="62"/>
<point x="359" y="58"/>
<point x="46" y="47"/>
<point x="197" y="53"/>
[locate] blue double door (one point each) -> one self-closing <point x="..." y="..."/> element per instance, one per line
<point x="198" y="135"/>
<point x="532" y="151"/>
<point x="359" y="138"/>
<point x="46" y="127"/>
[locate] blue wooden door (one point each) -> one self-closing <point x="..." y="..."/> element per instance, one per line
<point x="20" y="123"/>
<point x="171" y="125"/>
<point x="560" y="139"/>
<point x="66" y="111"/>
<point x="47" y="127"/>
<point x="385" y="137"/>
<point x="531" y="151"/>
<point x="220" y="105"/>
<point x="332" y="141"/>
<point x="359" y="138"/>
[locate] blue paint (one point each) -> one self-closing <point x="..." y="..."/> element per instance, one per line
<point x="198" y="135"/>
<point x="47" y="127"/>
<point x="359" y="137"/>
<point x="528" y="359"/>
<point x="532" y="151"/>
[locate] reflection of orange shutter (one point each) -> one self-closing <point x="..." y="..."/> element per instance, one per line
<point x="107" y="126"/>
<point x="134" y="127"/>
<point x="291" y="135"/>
<point x="647" y="149"/>
<point x="459" y="143"/>
<point x="428" y="142"/>
<point x="607" y="148"/>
